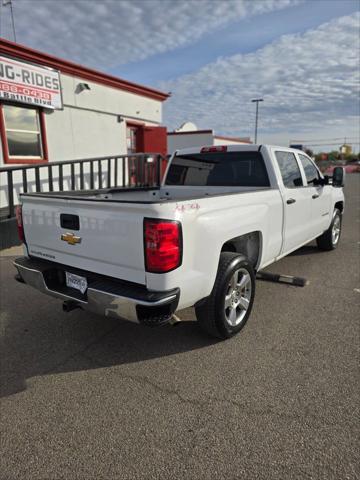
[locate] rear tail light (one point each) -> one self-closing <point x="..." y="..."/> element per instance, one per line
<point x="162" y="244"/>
<point x="19" y="222"/>
<point x="219" y="148"/>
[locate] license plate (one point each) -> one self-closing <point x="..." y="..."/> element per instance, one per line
<point x="75" y="281"/>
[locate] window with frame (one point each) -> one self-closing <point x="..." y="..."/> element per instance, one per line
<point x="232" y="169"/>
<point x="289" y="169"/>
<point x="311" y="172"/>
<point x="23" y="136"/>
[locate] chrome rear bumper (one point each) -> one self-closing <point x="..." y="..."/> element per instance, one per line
<point x="104" y="296"/>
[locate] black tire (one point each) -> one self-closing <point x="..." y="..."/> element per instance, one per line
<point x="326" y="241"/>
<point x="211" y="313"/>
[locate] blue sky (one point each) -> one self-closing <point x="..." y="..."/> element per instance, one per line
<point x="240" y="36"/>
<point x="302" y="56"/>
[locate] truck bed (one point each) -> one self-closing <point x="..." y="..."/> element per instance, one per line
<point x="146" y="196"/>
<point x="110" y="223"/>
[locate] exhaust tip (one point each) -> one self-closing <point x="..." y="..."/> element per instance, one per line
<point x="175" y="320"/>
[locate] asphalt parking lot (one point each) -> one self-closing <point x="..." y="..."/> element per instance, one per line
<point x="85" y="397"/>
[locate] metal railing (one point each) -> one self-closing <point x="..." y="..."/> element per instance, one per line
<point x="121" y="171"/>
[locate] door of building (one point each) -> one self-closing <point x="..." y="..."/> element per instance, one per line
<point x="132" y="139"/>
<point x="145" y="139"/>
<point x="132" y="146"/>
<point x="154" y="140"/>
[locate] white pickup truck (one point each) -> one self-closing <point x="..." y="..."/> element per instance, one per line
<point x="220" y="215"/>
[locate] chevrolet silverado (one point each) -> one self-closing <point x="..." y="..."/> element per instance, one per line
<point x="220" y="214"/>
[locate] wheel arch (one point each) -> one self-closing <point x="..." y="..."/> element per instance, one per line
<point x="248" y="244"/>
<point x="339" y="205"/>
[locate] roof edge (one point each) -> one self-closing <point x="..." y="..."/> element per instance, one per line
<point x="234" y="139"/>
<point x="191" y="132"/>
<point x="29" y="54"/>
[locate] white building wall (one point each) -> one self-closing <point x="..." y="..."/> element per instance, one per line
<point x="112" y="100"/>
<point x="84" y="134"/>
<point x="200" y="139"/>
<point x="175" y="142"/>
<point x="87" y="127"/>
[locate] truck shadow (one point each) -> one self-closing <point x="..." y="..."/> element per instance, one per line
<point x="38" y="338"/>
<point x="306" y="250"/>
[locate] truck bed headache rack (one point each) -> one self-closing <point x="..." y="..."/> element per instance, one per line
<point x="110" y="173"/>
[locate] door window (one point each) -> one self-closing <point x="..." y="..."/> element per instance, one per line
<point x="311" y="171"/>
<point x="289" y="169"/>
<point x="131" y="139"/>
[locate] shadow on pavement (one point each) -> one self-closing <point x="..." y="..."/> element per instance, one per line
<point x="38" y="338"/>
<point x="306" y="250"/>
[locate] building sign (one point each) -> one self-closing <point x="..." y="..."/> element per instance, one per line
<point x="27" y="83"/>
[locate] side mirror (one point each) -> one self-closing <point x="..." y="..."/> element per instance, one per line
<point x="338" y="178"/>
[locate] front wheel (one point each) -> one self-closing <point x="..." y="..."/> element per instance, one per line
<point x="227" y="309"/>
<point x="329" y="240"/>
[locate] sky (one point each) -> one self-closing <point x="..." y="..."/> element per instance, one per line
<point x="214" y="56"/>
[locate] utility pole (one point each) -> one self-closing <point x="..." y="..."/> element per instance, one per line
<point x="5" y="4"/>
<point x="257" y="100"/>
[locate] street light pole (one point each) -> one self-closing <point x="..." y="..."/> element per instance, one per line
<point x="257" y="100"/>
<point x="5" y="4"/>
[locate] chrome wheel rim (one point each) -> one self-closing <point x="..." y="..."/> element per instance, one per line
<point x="237" y="297"/>
<point x="336" y="228"/>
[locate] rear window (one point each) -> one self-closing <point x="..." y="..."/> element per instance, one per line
<point x="227" y="169"/>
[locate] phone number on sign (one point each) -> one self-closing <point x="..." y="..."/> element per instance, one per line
<point x="30" y="92"/>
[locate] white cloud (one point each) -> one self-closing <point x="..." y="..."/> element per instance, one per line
<point x="108" y="33"/>
<point x="309" y="83"/>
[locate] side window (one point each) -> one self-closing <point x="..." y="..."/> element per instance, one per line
<point x="289" y="168"/>
<point x="311" y="171"/>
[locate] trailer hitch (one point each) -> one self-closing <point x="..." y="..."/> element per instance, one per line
<point x="70" y="305"/>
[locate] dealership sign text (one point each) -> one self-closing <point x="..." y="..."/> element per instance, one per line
<point x="27" y="83"/>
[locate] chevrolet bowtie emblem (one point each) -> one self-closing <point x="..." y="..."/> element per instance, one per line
<point x="70" y="238"/>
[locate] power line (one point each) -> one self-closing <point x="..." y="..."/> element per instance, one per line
<point x="328" y="144"/>
<point x="325" y="139"/>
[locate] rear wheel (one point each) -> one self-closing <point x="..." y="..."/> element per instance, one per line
<point x="329" y="240"/>
<point x="226" y="310"/>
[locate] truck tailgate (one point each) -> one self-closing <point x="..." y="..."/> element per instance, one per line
<point x="110" y="235"/>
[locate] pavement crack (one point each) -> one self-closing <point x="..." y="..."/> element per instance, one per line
<point x="206" y="406"/>
<point x="164" y="390"/>
<point x="79" y="352"/>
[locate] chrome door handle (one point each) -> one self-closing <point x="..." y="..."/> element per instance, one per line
<point x="290" y="201"/>
<point x="316" y="195"/>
